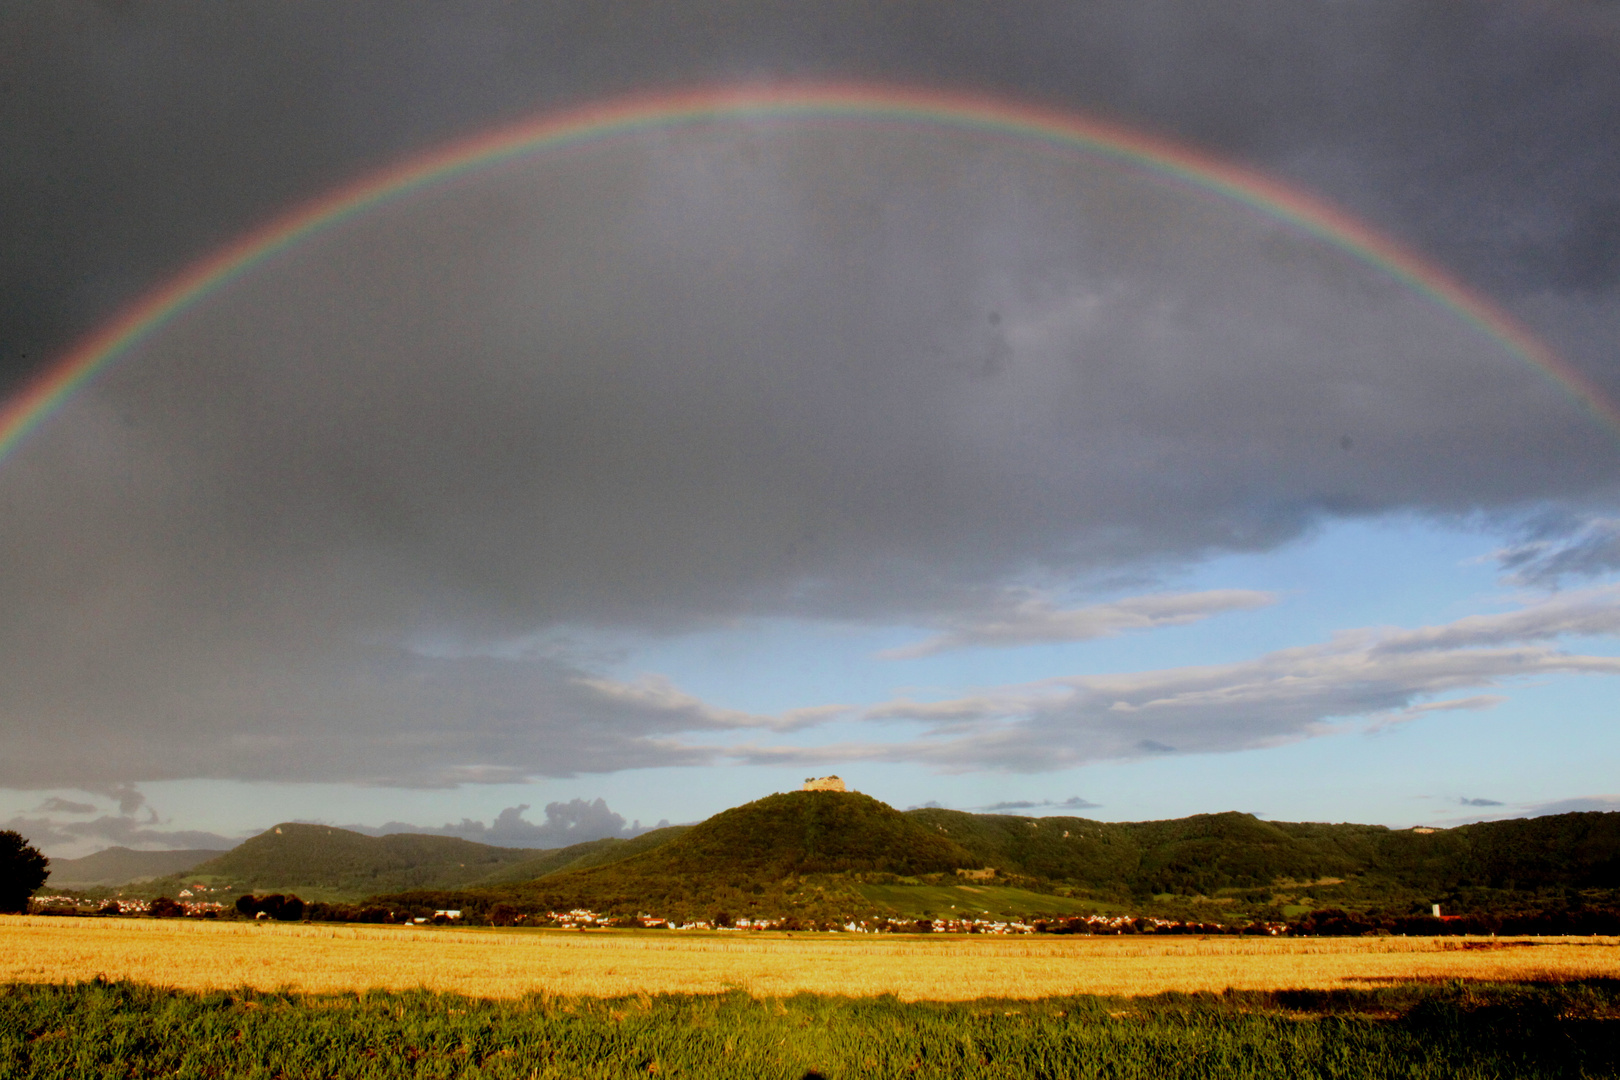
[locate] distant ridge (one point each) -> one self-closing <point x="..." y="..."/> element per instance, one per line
<point x="322" y="861"/>
<point x="122" y="865"/>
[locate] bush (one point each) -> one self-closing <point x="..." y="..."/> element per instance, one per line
<point x="277" y="906"/>
<point x="166" y="908"/>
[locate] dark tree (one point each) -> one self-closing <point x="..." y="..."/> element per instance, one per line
<point x="22" y="870"/>
<point x="166" y="907"/>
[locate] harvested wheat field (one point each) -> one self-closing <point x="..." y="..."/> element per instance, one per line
<point x="511" y="963"/>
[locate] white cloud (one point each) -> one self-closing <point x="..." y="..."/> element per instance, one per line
<point x="1477" y="701"/>
<point x="1026" y="617"/>
<point x="1279" y="697"/>
<point x="1590" y="549"/>
<point x="1591" y="612"/>
<point x="1074" y="802"/>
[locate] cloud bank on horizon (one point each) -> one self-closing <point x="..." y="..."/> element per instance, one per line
<point x="329" y="526"/>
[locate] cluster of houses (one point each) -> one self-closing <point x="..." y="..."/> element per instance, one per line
<point x="1147" y="924"/>
<point x="199" y="887"/>
<point x="203" y="907"/>
<point x="584" y="918"/>
<point x="78" y="905"/>
<point x="120" y="905"/>
<point x="949" y="926"/>
<point x="580" y="918"/>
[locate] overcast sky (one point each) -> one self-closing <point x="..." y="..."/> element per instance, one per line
<point x="629" y="483"/>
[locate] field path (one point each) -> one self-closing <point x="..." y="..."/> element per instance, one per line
<point x="198" y="955"/>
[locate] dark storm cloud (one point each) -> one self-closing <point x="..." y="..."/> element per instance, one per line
<point x="139" y="136"/>
<point x="71" y="839"/>
<point x="64" y="828"/>
<point x="185" y="710"/>
<point x="694" y="377"/>
<point x="57" y="805"/>
<point x="314" y="529"/>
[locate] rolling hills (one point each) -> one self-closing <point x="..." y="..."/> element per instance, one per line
<point x="321" y="862"/>
<point x="122" y="865"/>
<point x="825" y="855"/>
<point x="1493" y="864"/>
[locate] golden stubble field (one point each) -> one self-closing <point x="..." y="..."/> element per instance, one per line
<point x="511" y="963"/>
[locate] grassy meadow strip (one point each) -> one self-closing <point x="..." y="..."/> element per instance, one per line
<point x="496" y="963"/>
<point x="98" y="1029"/>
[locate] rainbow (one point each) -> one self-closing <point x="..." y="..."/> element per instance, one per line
<point x="777" y="103"/>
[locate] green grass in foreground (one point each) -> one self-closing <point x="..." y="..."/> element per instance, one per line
<point x="1456" y="1031"/>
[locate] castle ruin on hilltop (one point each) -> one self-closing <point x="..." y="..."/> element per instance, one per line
<point x="823" y="783"/>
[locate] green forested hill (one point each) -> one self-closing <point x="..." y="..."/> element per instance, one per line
<point x="1208" y="853"/>
<point x="1201" y="853"/>
<point x="785" y="853"/>
<point x="582" y="856"/>
<point x="819" y="853"/>
<point x="1563" y="850"/>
